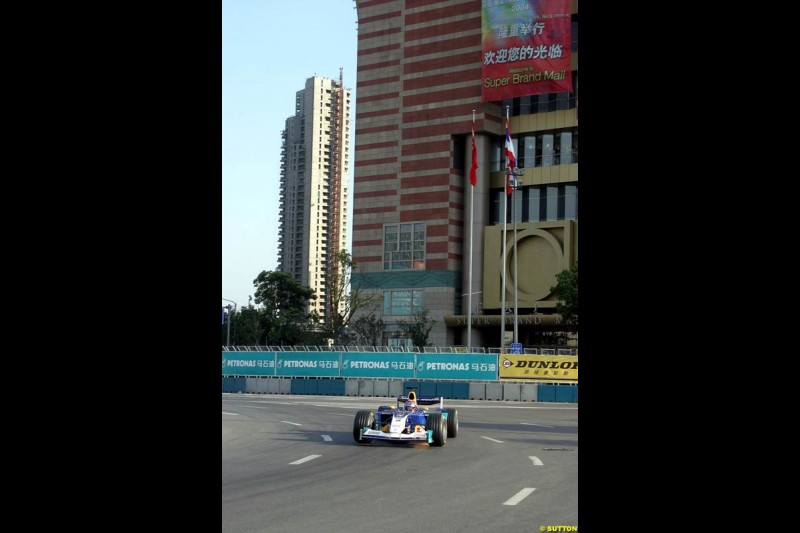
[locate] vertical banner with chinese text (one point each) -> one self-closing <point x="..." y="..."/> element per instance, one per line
<point x="526" y="48"/>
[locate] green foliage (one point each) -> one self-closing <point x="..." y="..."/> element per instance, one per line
<point x="246" y="328"/>
<point x="345" y="299"/>
<point x="283" y="318"/>
<point x="566" y="290"/>
<point x="368" y="330"/>
<point x="279" y="293"/>
<point x="418" y="329"/>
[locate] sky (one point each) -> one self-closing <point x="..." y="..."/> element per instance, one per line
<point x="269" y="49"/>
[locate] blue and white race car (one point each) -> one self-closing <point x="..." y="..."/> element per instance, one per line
<point x="411" y="420"/>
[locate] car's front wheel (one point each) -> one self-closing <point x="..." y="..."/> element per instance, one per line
<point x="452" y="422"/>
<point x="438" y="427"/>
<point x="364" y="419"/>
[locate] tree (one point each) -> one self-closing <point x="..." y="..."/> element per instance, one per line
<point x="278" y="292"/>
<point x="345" y="298"/>
<point x="566" y="290"/>
<point x="283" y="318"/>
<point x="368" y="330"/>
<point x="246" y="327"/>
<point x="418" y="329"/>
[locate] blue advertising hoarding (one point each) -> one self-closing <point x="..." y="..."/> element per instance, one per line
<point x="248" y="363"/>
<point x="378" y="365"/>
<point x="314" y="364"/>
<point x="467" y="366"/>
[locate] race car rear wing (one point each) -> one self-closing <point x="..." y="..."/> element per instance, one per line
<point x="424" y="400"/>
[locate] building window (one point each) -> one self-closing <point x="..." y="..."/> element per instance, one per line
<point x="574" y="35"/>
<point x="404" y="246"/>
<point x="498" y="154"/>
<point x="403" y="303"/>
<point x="527" y="153"/>
<point x="537" y="149"/>
<point x="397" y="342"/>
<point x="547" y="102"/>
<point x="497" y="159"/>
<point x="536" y="204"/>
<point x="548" y="150"/>
<point x="565" y="148"/>
<point x="571" y="202"/>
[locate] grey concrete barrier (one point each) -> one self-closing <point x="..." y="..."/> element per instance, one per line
<point x="391" y="388"/>
<point x="511" y="392"/>
<point x="529" y="392"/>
<point x="477" y="391"/>
<point x="395" y="388"/>
<point x="366" y="387"/>
<point x="494" y="391"/>
<point x="381" y="387"/>
<point x="351" y="387"/>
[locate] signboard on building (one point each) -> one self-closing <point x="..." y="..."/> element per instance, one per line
<point x="526" y="47"/>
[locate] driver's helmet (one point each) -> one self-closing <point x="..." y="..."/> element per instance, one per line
<point x="411" y="405"/>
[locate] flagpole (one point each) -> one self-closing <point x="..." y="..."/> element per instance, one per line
<point x="503" y="266"/>
<point x="471" y="231"/>
<point x="514" y="215"/>
<point x="503" y="315"/>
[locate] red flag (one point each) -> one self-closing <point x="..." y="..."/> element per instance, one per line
<point x="473" y="172"/>
<point x="512" y="159"/>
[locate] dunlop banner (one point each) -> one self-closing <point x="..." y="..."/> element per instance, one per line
<point x="539" y="367"/>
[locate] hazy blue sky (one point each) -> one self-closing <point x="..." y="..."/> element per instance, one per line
<point x="269" y="49"/>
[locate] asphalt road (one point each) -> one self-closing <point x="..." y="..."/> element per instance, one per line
<point x="290" y="464"/>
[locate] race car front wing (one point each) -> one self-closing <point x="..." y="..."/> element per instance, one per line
<point x="419" y="434"/>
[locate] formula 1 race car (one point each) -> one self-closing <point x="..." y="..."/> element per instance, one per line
<point x="408" y="421"/>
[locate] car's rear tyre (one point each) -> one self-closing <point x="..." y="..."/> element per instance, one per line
<point x="452" y="422"/>
<point x="438" y="427"/>
<point x="364" y="419"/>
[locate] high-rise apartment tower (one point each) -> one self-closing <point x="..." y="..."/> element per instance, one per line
<point x="315" y="167"/>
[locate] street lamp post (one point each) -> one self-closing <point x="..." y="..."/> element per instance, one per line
<point x="228" y="307"/>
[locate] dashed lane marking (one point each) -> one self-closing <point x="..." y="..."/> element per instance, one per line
<point x="518" y="497"/>
<point x="491" y="439"/>
<point x="536" y="460"/>
<point x="304" y="459"/>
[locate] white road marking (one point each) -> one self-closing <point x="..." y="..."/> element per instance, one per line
<point x="234" y="414"/>
<point x="304" y="459"/>
<point x="292" y="423"/>
<point x="540" y="425"/>
<point x="491" y="439"/>
<point x="327" y="438"/>
<point x="518" y="497"/>
<point x="536" y="460"/>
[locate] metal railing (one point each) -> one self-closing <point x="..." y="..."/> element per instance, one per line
<point x="455" y="350"/>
